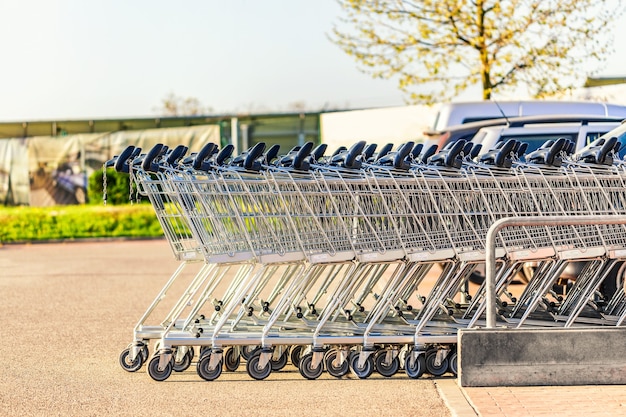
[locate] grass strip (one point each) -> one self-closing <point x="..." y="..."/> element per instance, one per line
<point x="31" y="224"/>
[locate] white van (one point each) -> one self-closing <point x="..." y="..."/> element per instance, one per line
<point x="536" y="135"/>
<point x="450" y="114"/>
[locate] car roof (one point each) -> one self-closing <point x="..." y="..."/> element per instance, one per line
<point x="524" y="120"/>
<point x="547" y="127"/>
<point x="458" y="112"/>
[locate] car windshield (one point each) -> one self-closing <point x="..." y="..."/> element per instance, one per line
<point x="536" y="141"/>
<point x="620" y="133"/>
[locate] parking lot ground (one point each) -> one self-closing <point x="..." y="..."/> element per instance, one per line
<point x="69" y="310"/>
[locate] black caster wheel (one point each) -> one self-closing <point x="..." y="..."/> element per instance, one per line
<point x="306" y="369"/>
<point x="159" y="374"/>
<point x="281" y="361"/>
<point x="334" y="370"/>
<point x="296" y="355"/>
<point x="127" y="364"/>
<point x="416" y="369"/>
<point x="452" y="363"/>
<point x="247" y="351"/>
<point x="433" y="368"/>
<point x="252" y="366"/>
<point x="386" y="370"/>
<point x="232" y="359"/>
<point x="363" y="371"/>
<point x="185" y="362"/>
<point x="203" y="370"/>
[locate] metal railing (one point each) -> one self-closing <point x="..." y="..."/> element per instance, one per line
<point x="496" y="227"/>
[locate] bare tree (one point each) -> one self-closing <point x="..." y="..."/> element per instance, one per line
<point x="297" y="106"/>
<point x="173" y="105"/>
<point x="436" y="49"/>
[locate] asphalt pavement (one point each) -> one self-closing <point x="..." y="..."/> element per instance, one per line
<point x="70" y="309"/>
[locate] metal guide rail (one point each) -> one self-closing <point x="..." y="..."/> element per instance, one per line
<point x="370" y="259"/>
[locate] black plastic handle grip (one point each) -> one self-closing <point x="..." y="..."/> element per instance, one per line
<point x="253" y="154"/>
<point x="338" y="151"/>
<point x="505" y="152"/>
<point x="318" y="152"/>
<point x="453" y="153"/>
<point x="148" y="162"/>
<point x="355" y="150"/>
<point x="271" y="154"/>
<point x="417" y="149"/>
<point x="201" y="157"/>
<point x="606" y="148"/>
<point x="135" y="153"/>
<point x="121" y="163"/>
<point x="467" y="148"/>
<point x="299" y="161"/>
<point x="554" y="151"/>
<point x="176" y="155"/>
<point x="428" y="153"/>
<point x="384" y="150"/>
<point x="369" y="150"/>
<point x="475" y="150"/>
<point x="399" y="160"/>
<point x="224" y="154"/>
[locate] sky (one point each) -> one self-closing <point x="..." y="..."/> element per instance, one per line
<point x="96" y="59"/>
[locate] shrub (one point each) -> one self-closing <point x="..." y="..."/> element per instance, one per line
<point x="117" y="187"/>
<point x="24" y="224"/>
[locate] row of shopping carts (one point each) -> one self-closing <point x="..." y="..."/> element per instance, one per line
<point x="361" y="260"/>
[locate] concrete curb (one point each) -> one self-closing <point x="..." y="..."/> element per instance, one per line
<point x="455" y="398"/>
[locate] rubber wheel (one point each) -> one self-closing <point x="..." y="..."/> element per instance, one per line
<point x="232" y="359"/>
<point x="252" y="367"/>
<point x="155" y="373"/>
<point x="144" y="353"/>
<point x="366" y="370"/>
<point x="248" y="351"/>
<point x="452" y="363"/>
<point x="203" y="368"/>
<point x="204" y="349"/>
<point x="431" y="368"/>
<point x="417" y="369"/>
<point x="403" y="354"/>
<point x="127" y="364"/>
<point x="386" y="370"/>
<point x="296" y="355"/>
<point x="281" y="362"/>
<point x="336" y="371"/>
<point x="184" y="362"/>
<point x="306" y="369"/>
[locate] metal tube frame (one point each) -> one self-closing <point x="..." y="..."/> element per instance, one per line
<point x="496" y="227"/>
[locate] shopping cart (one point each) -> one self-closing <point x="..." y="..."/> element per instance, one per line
<point x="331" y="253"/>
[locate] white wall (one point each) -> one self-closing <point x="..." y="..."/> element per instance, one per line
<point x="614" y="94"/>
<point x="385" y="125"/>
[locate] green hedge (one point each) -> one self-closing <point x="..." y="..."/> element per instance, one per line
<point x="117" y="187"/>
<point x="24" y="224"/>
